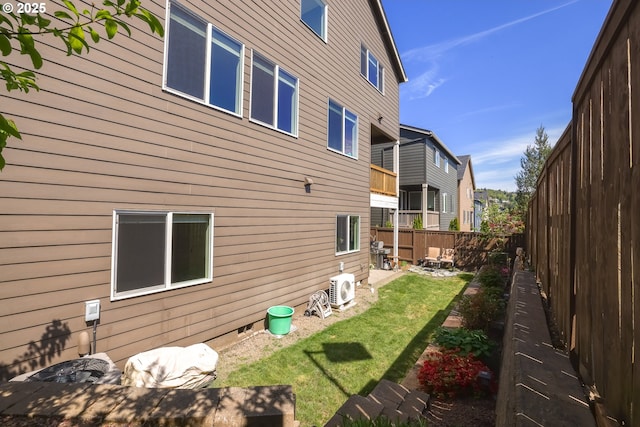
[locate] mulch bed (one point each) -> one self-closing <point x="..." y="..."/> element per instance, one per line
<point x="462" y="412"/>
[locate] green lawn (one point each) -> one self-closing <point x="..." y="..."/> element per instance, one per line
<point x="351" y="356"/>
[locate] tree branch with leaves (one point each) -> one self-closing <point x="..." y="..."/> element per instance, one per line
<point x="74" y="27"/>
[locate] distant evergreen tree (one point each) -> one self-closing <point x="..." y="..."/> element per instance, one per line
<point x="531" y="163"/>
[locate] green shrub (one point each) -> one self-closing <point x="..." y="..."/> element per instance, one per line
<point x="480" y="309"/>
<point x="417" y="222"/>
<point x="490" y="276"/>
<point x="454" y="225"/>
<point x="467" y="341"/>
<point x="498" y="258"/>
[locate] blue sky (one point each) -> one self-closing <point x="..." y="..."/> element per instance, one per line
<point x="484" y="75"/>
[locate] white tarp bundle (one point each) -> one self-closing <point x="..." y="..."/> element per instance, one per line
<point x="172" y="367"/>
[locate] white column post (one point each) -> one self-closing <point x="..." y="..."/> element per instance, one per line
<point x="396" y="169"/>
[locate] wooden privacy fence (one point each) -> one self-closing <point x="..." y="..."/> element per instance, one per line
<point x="472" y="249"/>
<point x="584" y="225"/>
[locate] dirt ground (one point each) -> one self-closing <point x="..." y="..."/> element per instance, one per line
<point x="467" y="412"/>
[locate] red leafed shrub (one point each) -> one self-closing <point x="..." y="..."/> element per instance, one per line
<point x="449" y="374"/>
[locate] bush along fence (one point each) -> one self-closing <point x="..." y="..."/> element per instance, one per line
<point x="472" y="250"/>
<point x="465" y="356"/>
<point x="583" y="228"/>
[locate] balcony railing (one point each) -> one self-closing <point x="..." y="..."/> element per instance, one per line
<point x="405" y="219"/>
<point x="383" y="181"/>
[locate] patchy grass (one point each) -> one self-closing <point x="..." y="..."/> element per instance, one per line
<point x="353" y="355"/>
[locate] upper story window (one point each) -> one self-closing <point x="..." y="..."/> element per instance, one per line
<point x="343" y="130"/>
<point x="274" y="96"/>
<point x="202" y="62"/>
<point x="371" y="69"/>
<point x="436" y="157"/>
<point x="314" y="14"/>
<point x="446" y="165"/>
<point x="157" y="251"/>
<point x="347" y="234"/>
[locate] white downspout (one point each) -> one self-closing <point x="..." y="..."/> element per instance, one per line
<point x="396" y="170"/>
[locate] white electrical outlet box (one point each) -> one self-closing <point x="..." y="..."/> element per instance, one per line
<point x="91" y="310"/>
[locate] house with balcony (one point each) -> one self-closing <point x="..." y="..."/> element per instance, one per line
<point x="466" y="191"/>
<point x="191" y="183"/>
<point x="428" y="181"/>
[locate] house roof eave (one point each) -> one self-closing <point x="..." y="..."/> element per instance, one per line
<point x="389" y="40"/>
<point x="434" y="137"/>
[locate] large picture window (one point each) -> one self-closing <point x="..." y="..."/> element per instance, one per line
<point x="202" y="62"/>
<point x="343" y="130"/>
<point x="157" y="251"/>
<point x="314" y="14"/>
<point x="371" y="68"/>
<point x="347" y="234"/>
<point x="274" y="96"/>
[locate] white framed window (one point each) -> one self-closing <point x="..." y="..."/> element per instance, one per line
<point x="201" y="62"/>
<point x="444" y="202"/>
<point x="274" y="96"/>
<point x="347" y="234"/>
<point x="431" y="201"/>
<point x="157" y="251"/>
<point x="371" y="69"/>
<point x="436" y="157"/>
<point x="446" y="166"/>
<point x="343" y="130"/>
<point x="314" y="14"/>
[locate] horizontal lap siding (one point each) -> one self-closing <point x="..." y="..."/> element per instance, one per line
<point x="102" y="135"/>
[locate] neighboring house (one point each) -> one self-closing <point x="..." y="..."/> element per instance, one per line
<point x="190" y="183"/>
<point x="428" y="181"/>
<point x="481" y="202"/>
<point x="466" y="190"/>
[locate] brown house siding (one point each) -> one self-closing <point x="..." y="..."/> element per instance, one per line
<point x="103" y="135"/>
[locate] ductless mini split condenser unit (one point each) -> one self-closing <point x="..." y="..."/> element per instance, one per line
<point x="342" y="290"/>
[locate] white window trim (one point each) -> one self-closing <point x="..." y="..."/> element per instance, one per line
<point x="324" y="38"/>
<point x="436" y="157"/>
<point x="444" y="202"/>
<point x="446" y="166"/>
<point x="167" y="273"/>
<point x="348" y="233"/>
<point x="344" y="118"/>
<point x="275" y="99"/>
<point x="204" y="102"/>
<point x="381" y="69"/>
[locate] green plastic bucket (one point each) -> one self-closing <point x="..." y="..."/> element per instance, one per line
<point x="279" y="318"/>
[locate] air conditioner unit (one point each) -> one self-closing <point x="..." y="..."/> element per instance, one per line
<point x="342" y="290"/>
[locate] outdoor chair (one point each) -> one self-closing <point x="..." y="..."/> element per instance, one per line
<point x="432" y="256"/>
<point x="448" y="257"/>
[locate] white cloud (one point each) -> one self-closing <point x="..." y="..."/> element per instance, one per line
<point x="423" y="85"/>
<point x="428" y="53"/>
<point x="496" y="162"/>
<point x="428" y="81"/>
